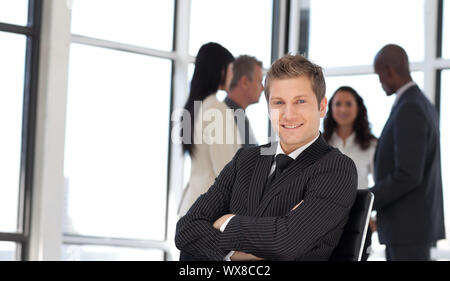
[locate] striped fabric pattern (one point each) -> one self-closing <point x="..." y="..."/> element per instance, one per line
<point x="265" y="224"/>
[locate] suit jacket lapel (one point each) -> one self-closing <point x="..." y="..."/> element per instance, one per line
<point x="314" y="152"/>
<point x="259" y="178"/>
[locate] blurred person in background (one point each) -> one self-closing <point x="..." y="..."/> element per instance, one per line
<point x="213" y="72"/>
<point x="347" y="128"/>
<point x="408" y="182"/>
<point x="243" y="85"/>
<point x="245" y="89"/>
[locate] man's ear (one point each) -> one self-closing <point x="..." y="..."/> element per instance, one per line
<point x="244" y="81"/>
<point x="323" y="107"/>
<point x="389" y="71"/>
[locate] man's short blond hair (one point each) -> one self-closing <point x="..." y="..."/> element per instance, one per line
<point x="292" y="66"/>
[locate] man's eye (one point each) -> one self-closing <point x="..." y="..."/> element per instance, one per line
<point x="301" y="101"/>
<point x="278" y="102"/>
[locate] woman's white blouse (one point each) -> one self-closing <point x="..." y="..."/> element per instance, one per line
<point x="363" y="158"/>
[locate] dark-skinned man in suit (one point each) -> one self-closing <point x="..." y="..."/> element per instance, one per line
<point x="408" y="185"/>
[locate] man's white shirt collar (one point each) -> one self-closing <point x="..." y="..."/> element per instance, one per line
<point x="294" y="154"/>
<point x="403" y="89"/>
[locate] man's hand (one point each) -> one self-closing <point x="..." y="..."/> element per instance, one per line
<point x="241" y="256"/>
<point x="218" y="223"/>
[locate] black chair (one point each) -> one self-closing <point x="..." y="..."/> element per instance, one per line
<point x="351" y="244"/>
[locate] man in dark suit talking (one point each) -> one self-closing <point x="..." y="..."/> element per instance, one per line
<point x="408" y="185"/>
<point x="287" y="200"/>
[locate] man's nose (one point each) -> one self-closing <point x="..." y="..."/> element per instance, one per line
<point x="289" y="112"/>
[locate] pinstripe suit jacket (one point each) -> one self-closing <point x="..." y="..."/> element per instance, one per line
<point x="265" y="225"/>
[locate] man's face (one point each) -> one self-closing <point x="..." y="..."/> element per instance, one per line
<point x="255" y="86"/>
<point x="385" y="79"/>
<point x="294" y="112"/>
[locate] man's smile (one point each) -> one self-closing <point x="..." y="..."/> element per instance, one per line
<point x="292" y="126"/>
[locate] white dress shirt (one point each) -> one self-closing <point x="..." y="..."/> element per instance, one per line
<point x="401" y="90"/>
<point x="294" y="154"/>
<point x="363" y="158"/>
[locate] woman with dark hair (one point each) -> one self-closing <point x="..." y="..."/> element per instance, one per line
<point x="347" y="128"/>
<point x="209" y="152"/>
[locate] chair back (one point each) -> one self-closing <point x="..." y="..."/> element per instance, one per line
<point x="351" y="244"/>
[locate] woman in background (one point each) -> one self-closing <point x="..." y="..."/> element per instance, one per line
<point x="213" y="72"/>
<point x="347" y="128"/>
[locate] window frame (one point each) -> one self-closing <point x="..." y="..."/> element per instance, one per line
<point x="439" y="65"/>
<point x="74" y="239"/>
<point x="32" y="31"/>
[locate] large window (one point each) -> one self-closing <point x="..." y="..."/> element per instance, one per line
<point x="19" y="41"/>
<point x="11" y="106"/>
<point x="113" y="115"/>
<point x="119" y="162"/>
<point x="344" y="40"/>
<point x="446" y="29"/>
<point x="128" y="68"/>
<point x="117" y="130"/>
<point x="350" y="32"/>
<point x="244" y="28"/>
<point x="137" y="22"/>
<point x="14" y="12"/>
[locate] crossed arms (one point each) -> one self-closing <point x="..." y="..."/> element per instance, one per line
<point x="237" y="255"/>
<point x="328" y="197"/>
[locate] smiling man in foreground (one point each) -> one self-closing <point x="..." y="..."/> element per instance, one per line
<point x="283" y="201"/>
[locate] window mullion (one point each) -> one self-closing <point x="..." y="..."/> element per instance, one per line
<point x="430" y="16"/>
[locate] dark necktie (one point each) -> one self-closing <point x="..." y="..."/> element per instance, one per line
<point x="282" y="161"/>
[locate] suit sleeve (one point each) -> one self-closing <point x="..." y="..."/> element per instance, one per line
<point x="410" y="137"/>
<point x="328" y="199"/>
<point x="195" y="233"/>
